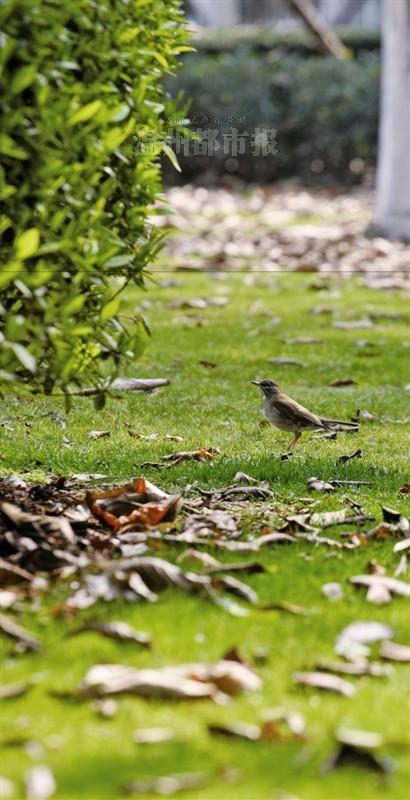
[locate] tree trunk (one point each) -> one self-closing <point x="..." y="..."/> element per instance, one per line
<point x="392" y="218"/>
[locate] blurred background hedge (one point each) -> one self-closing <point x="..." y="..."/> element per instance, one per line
<point x="324" y="111"/>
<point x="82" y="83"/>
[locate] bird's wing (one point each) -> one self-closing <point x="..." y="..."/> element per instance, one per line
<point x="295" y="413"/>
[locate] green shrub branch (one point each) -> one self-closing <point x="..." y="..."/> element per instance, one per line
<point x="83" y="84"/>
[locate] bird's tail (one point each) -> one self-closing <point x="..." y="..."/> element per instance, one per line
<point x="339" y="424"/>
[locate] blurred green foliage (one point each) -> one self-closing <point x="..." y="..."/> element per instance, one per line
<point x="295" y="40"/>
<point x="324" y="112"/>
<point x="83" y="84"/>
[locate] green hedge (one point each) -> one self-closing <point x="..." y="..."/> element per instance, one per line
<point x="324" y="112"/>
<point x="299" y="41"/>
<point x="83" y="83"/>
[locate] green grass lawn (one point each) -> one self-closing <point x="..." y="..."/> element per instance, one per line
<point x="91" y="756"/>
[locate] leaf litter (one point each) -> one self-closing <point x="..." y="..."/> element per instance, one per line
<point x="141" y="578"/>
<point x="130" y="519"/>
<point x="89" y="534"/>
<point x="215" y="227"/>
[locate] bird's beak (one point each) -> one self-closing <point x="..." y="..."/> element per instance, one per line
<point x="257" y="383"/>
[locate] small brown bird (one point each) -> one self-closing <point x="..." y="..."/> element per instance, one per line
<point x="288" y="415"/>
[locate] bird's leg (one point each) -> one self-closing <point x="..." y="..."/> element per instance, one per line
<point x="294" y="440"/>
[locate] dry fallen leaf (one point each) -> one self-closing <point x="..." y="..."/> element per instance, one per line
<point x="185" y="681"/>
<point x="333" y="591"/>
<point x="229" y="584"/>
<point x="326" y="540"/>
<point x="293" y="721"/>
<point x="384" y="530"/>
<point x="356" y="454"/>
<point x="242" y="477"/>
<point x="374" y="568"/>
<point x="378" y="594"/>
<point x="228" y="605"/>
<point x="40" y="783"/>
<point x="151" y="437"/>
<point x="285" y="362"/>
<point x="205" y="559"/>
<point x="402" y="546"/>
<point x="289" y="608"/>
<point x="352" y="641"/>
<point x="167" y="784"/>
<point x="401" y="568"/>
<point x="143" y="576"/>
<point x="98" y="434"/>
<point x="358" y="667"/>
<point x="11" y="574"/>
<point x="391" y="515"/>
<point x="106" y="707"/>
<point x="7" y="599"/>
<point x="326" y="681"/>
<point x="9" y="691"/>
<point x="135" y="506"/>
<point x="203" y="454"/>
<point x="317" y="485"/>
<point x="14" y="481"/>
<point x="119" y="631"/>
<point x="7" y="788"/>
<point x="279" y="725"/>
<point x="38" y="524"/>
<point x="352" y="755"/>
<point x="112" y="679"/>
<point x="153" y="735"/>
<point x="356" y="738"/>
<point x="304" y="340"/>
<point x="158" y="574"/>
<point x="260" y="492"/>
<point x="353" y="325"/>
<point x="343" y="382"/>
<point x="366" y="416"/>
<point x="296" y="523"/>
<point x="325" y="519"/>
<point x="238" y="730"/>
<point x="392" y="585"/>
<point x="209" y="523"/>
<point x="24" y="638"/>
<point x="393" y="651"/>
<point x="318" y="311"/>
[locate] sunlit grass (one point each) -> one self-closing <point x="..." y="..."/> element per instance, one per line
<point x="93" y="757"/>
